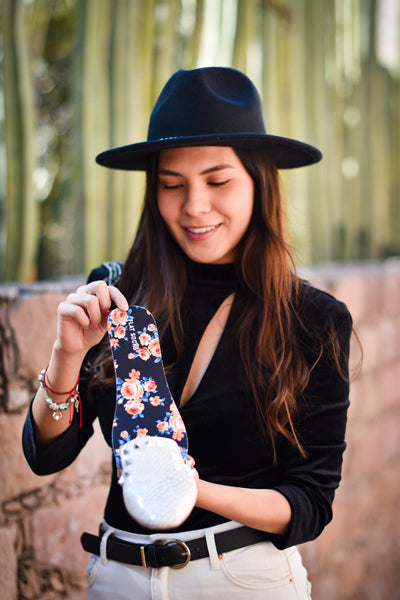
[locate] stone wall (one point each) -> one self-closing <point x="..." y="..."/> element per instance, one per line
<point x="41" y="518"/>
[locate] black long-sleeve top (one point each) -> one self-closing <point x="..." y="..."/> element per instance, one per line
<point x="220" y="418"/>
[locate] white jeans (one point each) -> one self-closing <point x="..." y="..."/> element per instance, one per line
<point x="257" y="572"/>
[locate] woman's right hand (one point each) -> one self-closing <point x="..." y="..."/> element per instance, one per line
<point x="81" y="324"/>
<point x="82" y="317"/>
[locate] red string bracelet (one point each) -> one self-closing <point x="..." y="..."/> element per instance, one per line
<point x="73" y="396"/>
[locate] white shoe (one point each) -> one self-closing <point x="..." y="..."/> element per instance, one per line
<point x="159" y="488"/>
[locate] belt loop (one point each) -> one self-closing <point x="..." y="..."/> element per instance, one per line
<point x="103" y="546"/>
<point x="212" y="549"/>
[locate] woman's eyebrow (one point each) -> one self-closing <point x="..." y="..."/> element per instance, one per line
<point x="216" y="168"/>
<point x="168" y="172"/>
<point x="205" y="172"/>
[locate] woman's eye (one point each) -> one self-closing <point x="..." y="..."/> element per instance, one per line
<point x="218" y="183"/>
<point x="171" y="186"/>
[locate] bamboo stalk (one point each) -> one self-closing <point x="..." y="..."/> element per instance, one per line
<point x="22" y="211"/>
<point x="120" y="113"/>
<point x="294" y="124"/>
<point x="393" y="245"/>
<point x="165" y="43"/>
<point x="12" y="134"/>
<point x="379" y="188"/>
<point x="193" y="48"/>
<point x="127" y="125"/>
<point x="319" y="213"/>
<point x="78" y="188"/>
<point x="147" y="54"/>
<point x="95" y="125"/>
<point x="239" y="57"/>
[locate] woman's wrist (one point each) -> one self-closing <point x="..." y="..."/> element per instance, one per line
<point x="69" y="358"/>
<point x="63" y="369"/>
<point x="73" y="401"/>
<point x="58" y="387"/>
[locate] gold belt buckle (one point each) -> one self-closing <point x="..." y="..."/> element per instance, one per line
<point x="187" y="553"/>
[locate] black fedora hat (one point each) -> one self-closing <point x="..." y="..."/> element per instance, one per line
<point x="211" y="106"/>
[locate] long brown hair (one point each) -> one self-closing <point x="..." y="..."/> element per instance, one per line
<point x="268" y="290"/>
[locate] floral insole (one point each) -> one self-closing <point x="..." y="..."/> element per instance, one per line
<point x="144" y="404"/>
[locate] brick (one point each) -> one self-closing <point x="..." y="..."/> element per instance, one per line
<point x="325" y="557"/>
<point x="8" y="563"/>
<point x="30" y="501"/>
<point x="56" y="529"/>
<point x="364" y="400"/>
<point x="16" y="476"/>
<point x="18" y="396"/>
<point x="364" y="454"/>
<point x="78" y="595"/>
<point x="389" y="339"/>
<point x="388" y="380"/>
<point x="332" y="541"/>
<point x="356" y="355"/>
<point x="309" y="555"/>
<point x="12" y="507"/>
<point x="325" y="586"/>
<point x="95" y="457"/>
<point x="353" y="509"/>
<point x="381" y="579"/>
<point x="389" y="483"/>
<point x="370" y="338"/>
<point x="391" y="439"/>
<point x="391" y="289"/>
<point x="396" y="333"/>
<point x="374" y="294"/>
<point x="352" y="290"/>
<point x="33" y="320"/>
<point x="368" y="289"/>
<point x="350" y="575"/>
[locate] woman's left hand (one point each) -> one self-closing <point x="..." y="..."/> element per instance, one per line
<point x="264" y="509"/>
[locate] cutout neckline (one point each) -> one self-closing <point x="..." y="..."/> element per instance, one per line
<point x="206" y="349"/>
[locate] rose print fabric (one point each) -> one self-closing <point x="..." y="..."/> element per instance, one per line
<point x="144" y="405"/>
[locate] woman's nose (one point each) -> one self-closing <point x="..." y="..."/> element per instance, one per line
<point x="196" y="201"/>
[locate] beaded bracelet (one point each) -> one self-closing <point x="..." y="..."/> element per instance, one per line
<point x="57" y="408"/>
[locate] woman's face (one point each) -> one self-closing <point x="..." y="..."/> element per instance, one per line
<point x="205" y="196"/>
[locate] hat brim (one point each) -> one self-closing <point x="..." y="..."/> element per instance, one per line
<point x="286" y="152"/>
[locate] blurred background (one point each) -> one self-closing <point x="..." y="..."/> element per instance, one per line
<point x="80" y="76"/>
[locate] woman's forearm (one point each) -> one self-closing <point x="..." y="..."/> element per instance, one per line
<point x="264" y="509"/>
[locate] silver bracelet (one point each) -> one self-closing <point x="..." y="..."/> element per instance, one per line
<point x="56" y="408"/>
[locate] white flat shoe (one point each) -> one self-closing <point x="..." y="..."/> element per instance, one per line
<point x="159" y="488"/>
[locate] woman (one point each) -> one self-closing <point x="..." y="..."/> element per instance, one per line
<point x="266" y="422"/>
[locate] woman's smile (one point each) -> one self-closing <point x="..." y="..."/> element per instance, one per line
<point x="201" y="233"/>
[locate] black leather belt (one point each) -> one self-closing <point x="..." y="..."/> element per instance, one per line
<point x="172" y="552"/>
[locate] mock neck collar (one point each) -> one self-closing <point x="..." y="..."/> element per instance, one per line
<point x="205" y="273"/>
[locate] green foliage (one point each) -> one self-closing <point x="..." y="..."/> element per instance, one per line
<point x="80" y="76"/>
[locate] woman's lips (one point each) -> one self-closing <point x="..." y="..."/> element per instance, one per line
<point x="201" y="233"/>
